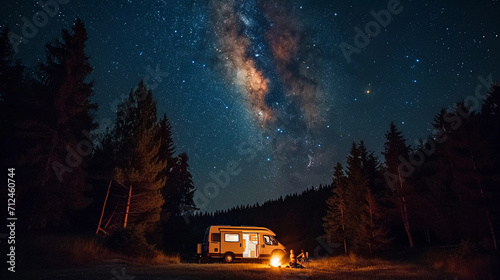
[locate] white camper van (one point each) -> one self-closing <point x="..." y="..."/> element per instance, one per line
<point x="242" y="242"/>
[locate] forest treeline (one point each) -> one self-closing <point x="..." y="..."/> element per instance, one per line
<point x="129" y="184"/>
<point x="444" y="191"/>
<point x="295" y="218"/>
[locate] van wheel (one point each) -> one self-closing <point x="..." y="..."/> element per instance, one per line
<point x="229" y="257"/>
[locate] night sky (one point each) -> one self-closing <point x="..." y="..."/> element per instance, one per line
<point x="264" y="88"/>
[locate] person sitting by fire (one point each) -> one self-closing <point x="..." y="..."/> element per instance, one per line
<point x="301" y="257"/>
<point x="293" y="261"/>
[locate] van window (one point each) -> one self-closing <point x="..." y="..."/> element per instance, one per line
<point x="215" y="237"/>
<point x="232" y="237"/>
<point x="270" y="240"/>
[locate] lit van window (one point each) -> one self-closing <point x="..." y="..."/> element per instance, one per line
<point x="232" y="237"/>
<point x="270" y="240"/>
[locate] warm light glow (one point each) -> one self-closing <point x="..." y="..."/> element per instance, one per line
<point x="276" y="261"/>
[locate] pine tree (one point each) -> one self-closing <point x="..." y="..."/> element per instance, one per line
<point x="490" y="119"/>
<point x="186" y="186"/>
<point x="137" y="148"/>
<point x="371" y="169"/>
<point x="13" y="105"/>
<point x="467" y="155"/>
<point x="335" y="224"/>
<point x="57" y="133"/>
<point x="179" y="204"/>
<point x="466" y="147"/>
<point x="357" y="184"/>
<point x="11" y="82"/>
<point x="438" y="175"/>
<point x="179" y="190"/>
<point x="373" y="232"/>
<point x="166" y="153"/>
<point x="364" y="227"/>
<point x="396" y="151"/>
<point x="167" y="148"/>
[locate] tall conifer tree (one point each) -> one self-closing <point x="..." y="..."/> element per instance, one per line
<point x="335" y="222"/>
<point x="57" y="133"/>
<point x="395" y="152"/>
<point x="137" y="153"/>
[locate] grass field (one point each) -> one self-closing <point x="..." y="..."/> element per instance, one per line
<point x="333" y="268"/>
<point x="68" y="257"/>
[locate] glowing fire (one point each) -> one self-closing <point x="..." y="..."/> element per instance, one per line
<point x="276" y="261"/>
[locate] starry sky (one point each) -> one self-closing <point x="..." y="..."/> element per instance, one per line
<point x="264" y="96"/>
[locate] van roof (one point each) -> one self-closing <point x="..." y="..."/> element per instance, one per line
<point x="242" y="228"/>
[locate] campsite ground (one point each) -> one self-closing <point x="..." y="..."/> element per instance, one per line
<point x="55" y="257"/>
<point x="324" y="269"/>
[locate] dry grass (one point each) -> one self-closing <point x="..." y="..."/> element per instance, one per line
<point x="160" y="258"/>
<point x="356" y="267"/>
<point x="351" y="267"/>
<point x="69" y="257"/>
<point x="56" y="251"/>
<point x="471" y="267"/>
<point x="60" y="251"/>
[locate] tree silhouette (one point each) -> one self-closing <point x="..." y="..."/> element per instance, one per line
<point x="12" y="91"/>
<point x="373" y="232"/>
<point x="367" y="232"/>
<point x="13" y="103"/>
<point x="166" y="153"/>
<point x="179" y="205"/>
<point x="395" y="152"/>
<point x="335" y="220"/>
<point x="57" y="132"/>
<point x="490" y="132"/>
<point x="13" y="106"/>
<point x="138" y="164"/>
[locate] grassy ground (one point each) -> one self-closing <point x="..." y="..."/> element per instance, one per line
<point x="60" y="251"/>
<point x="325" y="269"/>
<point x="58" y="257"/>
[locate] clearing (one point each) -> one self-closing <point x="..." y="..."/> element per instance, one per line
<point x="323" y="269"/>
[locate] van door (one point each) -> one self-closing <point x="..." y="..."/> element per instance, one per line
<point x="213" y="242"/>
<point x="251" y="245"/>
<point x="232" y="241"/>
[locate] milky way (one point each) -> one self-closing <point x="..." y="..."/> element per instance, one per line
<point x="262" y="50"/>
<point x="271" y="75"/>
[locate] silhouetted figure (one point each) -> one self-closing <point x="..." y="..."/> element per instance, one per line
<point x="293" y="259"/>
<point x="301" y="257"/>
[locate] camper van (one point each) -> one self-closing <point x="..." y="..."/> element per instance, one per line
<point x="242" y="242"/>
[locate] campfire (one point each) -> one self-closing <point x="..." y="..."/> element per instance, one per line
<point x="275" y="261"/>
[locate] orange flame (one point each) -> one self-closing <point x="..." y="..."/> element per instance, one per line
<point x="275" y="261"/>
